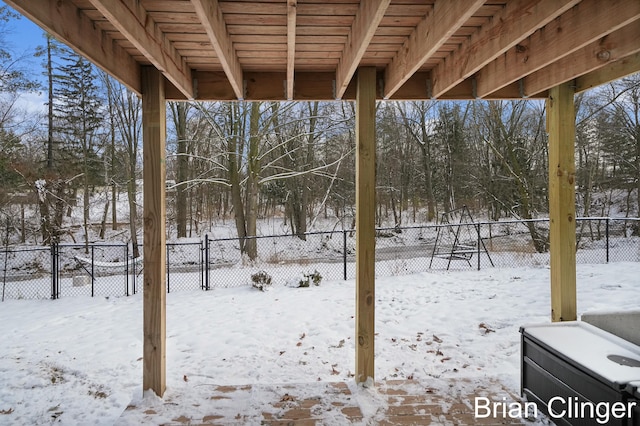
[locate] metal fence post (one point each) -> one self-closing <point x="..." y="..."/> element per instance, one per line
<point x="134" y="270"/>
<point x="344" y="253"/>
<point x="201" y="265"/>
<point x="92" y="270"/>
<point x="4" y="272"/>
<point x="53" y="279"/>
<point x="206" y="262"/>
<point x="479" y="242"/>
<point x="54" y="271"/>
<point x="606" y="233"/>
<point x="126" y="269"/>
<point x="168" y="269"/>
<point x="57" y="269"/>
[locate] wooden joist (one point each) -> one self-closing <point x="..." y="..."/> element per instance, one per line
<point x="439" y="49"/>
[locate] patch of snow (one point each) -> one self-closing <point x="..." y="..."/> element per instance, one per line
<point x="78" y="360"/>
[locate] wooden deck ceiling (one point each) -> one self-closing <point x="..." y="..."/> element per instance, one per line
<point x="310" y="49"/>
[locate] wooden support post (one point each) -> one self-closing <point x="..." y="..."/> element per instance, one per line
<point x="365" y="223"/>
<point x="561" y="118"/>
<point x="154" y="135"/>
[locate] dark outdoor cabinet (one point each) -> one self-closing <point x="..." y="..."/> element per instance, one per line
<point x="582" y="372"/>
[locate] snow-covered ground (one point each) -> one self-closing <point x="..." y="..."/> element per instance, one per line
<point x="77" y="360"/>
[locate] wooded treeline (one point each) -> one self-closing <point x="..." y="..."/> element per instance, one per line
<point x="243" y="161"/>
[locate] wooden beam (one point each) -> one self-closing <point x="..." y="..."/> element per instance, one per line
<point x="291" y="45"/>
<point x="610" y="72"/>
<point x="319" y="86"/>
<point x="561" y="117"/>
<point x="265" y="86"/>
<point x="518" y="20"/>
<point x="133" y="22"/>
<point x="365" y="223"/>
<point x="617" y="45"/>
<point x="210" y="15"/>
<point x="430" y="34"/>
<point x="154" y="213"/>
<point x="369" y="15"/>
<point x="71" y="26"/>
<point x="570" y="32"/>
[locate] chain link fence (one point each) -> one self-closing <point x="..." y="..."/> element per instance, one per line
<point x="26" y="273"/>
<point x="185" y="266"/>
<point x="109" y="270"/>
<point x="93" y="270"/>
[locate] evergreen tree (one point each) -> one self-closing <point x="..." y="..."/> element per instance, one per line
<point x="78" y="122"/>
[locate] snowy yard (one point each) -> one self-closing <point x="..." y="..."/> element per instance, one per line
<point x="78" y="360"/>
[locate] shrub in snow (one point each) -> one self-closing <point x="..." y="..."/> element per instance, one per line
<point x="399" y="267"/>
<point x="261" y="280"/>
<point x="308" y="279"/>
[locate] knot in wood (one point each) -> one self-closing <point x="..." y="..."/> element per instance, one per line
<point x="604" y="55"/>
<point x="369" y="300"/>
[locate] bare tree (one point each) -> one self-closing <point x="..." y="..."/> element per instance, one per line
<point x="515" y="133"/>
<point x="626" y="119"/>
<point x="127" y="109"/>
<point x="265" y="145"/>
<point x="419" y="125"/>
<point x="179" y="111"/>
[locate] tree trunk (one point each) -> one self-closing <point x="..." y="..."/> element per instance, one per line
<point x="112" y="153"/>
<point x="114" y="211"/>
<point x="306" y="180"/>
<point x="180" y="121"/>
<point x="50" y="105"/>
<point x="423" y="141"/>
<point x="103" y="224"/>
<point x="431" y="199"/>
<point x="85" y="210"/>
<point x="133" y="215"/>
<point x="23" y="232"/>
<point x="45" y="215"/>
<point x="253" y="180"/>
<point x="506" y="137"/>
<point x="127" y="118"/>
<point x="51" y="201"/>
<point x="233" y="153"/>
